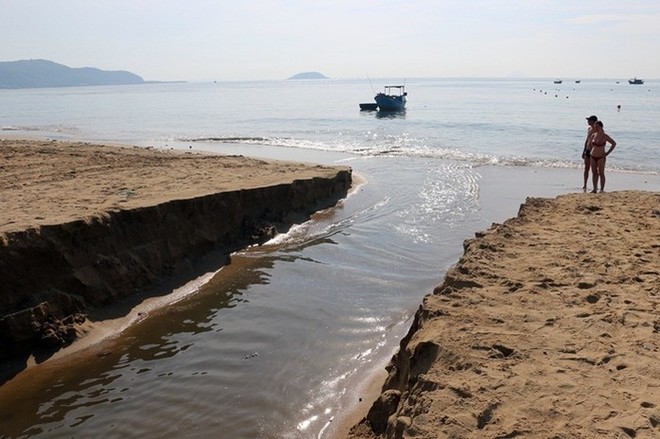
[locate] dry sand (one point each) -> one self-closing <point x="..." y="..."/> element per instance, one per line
<point x="547" y="327"/>
<point x="48" y="182"/>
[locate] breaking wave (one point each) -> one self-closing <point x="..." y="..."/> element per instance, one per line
<point x="406" y="147"/>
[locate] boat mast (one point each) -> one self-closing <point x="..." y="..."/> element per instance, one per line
<point x="372" y="86"/>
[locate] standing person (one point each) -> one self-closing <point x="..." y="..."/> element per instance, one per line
<point x="586" y="151"/>
<point x="598" y="141"/>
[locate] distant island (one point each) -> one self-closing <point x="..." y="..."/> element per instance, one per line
<point x="309" y="75"/>
<point x="40" y="73"/>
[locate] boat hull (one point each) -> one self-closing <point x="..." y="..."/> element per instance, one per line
<point x="390" y="103"/>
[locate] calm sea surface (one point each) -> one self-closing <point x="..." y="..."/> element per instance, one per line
<point x="279" y="343"/>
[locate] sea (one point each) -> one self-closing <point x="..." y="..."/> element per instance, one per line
<point x="286" y="341"/>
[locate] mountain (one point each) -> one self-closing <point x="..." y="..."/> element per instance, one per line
<point x="309" y="75"/>
<point x="38" y="73"/>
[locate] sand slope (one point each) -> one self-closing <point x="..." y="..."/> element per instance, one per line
<point x="547" y="327"/>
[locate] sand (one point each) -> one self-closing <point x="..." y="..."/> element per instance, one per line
<point x="547" y="327"/>
<point x="49" y="182"/>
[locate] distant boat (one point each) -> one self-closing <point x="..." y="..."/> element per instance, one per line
<point x="577" y="81"/>
<point x="635" y="81"/>
<point x="393" y="98"/>
<point x="558" y="81"/>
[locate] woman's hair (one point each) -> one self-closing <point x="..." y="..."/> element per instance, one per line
<point x="599" y="123"/>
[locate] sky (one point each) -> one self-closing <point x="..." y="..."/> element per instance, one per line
<point x="233" y="40"/>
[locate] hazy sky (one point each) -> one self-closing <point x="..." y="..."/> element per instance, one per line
<point x="275" y="39"/>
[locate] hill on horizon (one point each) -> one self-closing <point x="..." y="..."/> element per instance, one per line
<point x="41" y="73"/>
<point x="309" y="75"/>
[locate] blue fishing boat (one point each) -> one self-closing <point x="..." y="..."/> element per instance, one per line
<point x="636" y="81"/>
<point x="393" y="98"/>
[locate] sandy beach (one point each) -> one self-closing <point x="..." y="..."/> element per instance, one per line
<point x="548" y="326"/>
<point x="49" y="182"/>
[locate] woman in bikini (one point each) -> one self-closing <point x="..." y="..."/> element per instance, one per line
<point x="586" y="151"/>
<point x="599" y="139"/>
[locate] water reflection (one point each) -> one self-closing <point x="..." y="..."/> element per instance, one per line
<point x="401" y="114"/>
<point x="379" y="114"/>
<point x="87" y="395"/>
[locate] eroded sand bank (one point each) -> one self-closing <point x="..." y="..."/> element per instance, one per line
<point x="85" y="225"/>
<point x="547" y="327"/>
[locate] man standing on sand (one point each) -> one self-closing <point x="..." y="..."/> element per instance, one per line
<point x="586" y="151"/>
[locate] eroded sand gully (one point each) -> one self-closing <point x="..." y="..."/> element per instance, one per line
<point x="85" y="225"/>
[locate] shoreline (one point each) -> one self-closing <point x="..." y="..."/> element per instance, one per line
<point x="86" y="226"/>
<point x="532" y="318"/>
